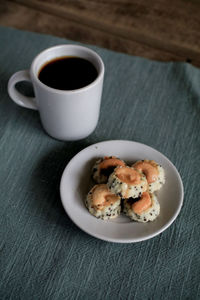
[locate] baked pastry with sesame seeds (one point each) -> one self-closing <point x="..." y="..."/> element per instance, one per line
<point x="127" y="182"/>
<point x="142" y="209"/>
<point x="104" y="167"/>
<point x="102" y="203"/>
<point x="154" y="173"/>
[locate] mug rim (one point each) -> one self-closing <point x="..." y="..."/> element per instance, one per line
<point x="50" y="89"/>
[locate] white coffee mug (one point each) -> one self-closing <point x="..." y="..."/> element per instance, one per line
<point x="65" y="114"/>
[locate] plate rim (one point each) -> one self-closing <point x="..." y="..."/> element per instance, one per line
<point x="121" y="240"/>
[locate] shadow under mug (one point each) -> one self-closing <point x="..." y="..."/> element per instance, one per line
<point x="65" y="114"/>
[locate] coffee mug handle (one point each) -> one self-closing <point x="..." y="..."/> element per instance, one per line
<point x="17" y="97"/>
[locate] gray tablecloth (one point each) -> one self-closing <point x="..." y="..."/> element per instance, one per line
<point x="43" y="255"/>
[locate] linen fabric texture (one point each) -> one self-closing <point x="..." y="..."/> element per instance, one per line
<point x="43" y="255"/>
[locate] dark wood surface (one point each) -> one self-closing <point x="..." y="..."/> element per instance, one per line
<point x="161" y="30"/>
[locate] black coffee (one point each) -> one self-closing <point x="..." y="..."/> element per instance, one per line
<point x="68" y="73"/>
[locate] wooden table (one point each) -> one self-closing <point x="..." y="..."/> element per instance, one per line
<point x="161" y="30"/>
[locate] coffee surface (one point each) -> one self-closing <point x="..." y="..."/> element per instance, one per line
<point x="68" y="73"/>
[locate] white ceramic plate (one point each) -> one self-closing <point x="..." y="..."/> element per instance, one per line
<point x="76" y="182"/>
